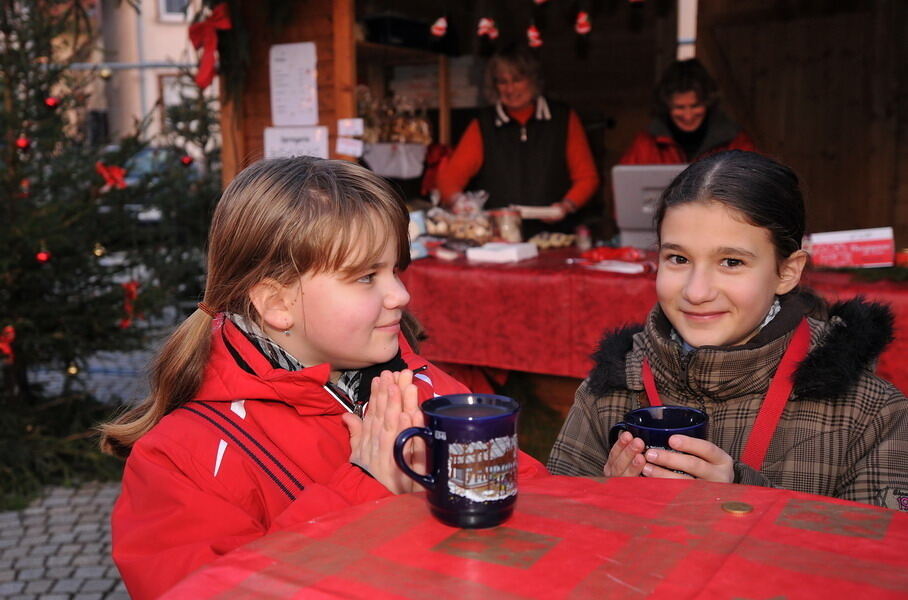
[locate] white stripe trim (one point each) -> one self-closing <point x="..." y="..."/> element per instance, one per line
<point x="542" y="110"/>
<point x="501" y="117"/>
<point x="339" y="401"/>
<point x="222" y="447"/>
<point x="239" y="407"/>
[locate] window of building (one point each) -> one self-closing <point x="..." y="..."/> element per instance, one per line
<point x="173" y="11"/>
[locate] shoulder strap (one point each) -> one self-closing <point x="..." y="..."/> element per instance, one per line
<point x="258" y="449"/>
<point x="649" y="384"/>
<point x="776" y="398"/>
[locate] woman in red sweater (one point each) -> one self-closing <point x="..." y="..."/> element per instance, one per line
<point x="688" y="123"/>
<point x="509" y="149"/>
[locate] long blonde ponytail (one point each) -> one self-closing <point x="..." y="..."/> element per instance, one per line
<point x="176" y="375"/>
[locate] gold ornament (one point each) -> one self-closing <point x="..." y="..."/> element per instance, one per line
<point x="72" y="369"/>
<point x="105" y="73"/>
<point x="99" y="250"/>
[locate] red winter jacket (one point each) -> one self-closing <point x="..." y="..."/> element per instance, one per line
<point x="221" y="471"/>
<point x="656" y="146"/>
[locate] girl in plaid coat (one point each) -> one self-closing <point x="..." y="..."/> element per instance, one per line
<point x="730" y="311"/>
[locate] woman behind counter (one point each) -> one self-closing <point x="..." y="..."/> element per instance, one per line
<point x="510" y="149"/>
<point x="688" y="123"/>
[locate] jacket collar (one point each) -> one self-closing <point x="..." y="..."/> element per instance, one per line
<point x="542" y="112"/>
<point x="842" y="348"/>
<point x="720" y="130"/>
<point x="236" y="369"/>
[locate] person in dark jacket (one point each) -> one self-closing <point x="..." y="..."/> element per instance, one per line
<point x="525" y="149"/>
<point x="687" y="123"/>
<point x="734" y="335"/>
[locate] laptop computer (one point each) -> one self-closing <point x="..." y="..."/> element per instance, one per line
<point x="637" y="189"/>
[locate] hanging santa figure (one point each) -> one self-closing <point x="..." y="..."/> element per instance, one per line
<point x="534" y="38"/>
<point x="487" y="28"/>
<point x="439" y="27"/>
<point x="582" y="25"/>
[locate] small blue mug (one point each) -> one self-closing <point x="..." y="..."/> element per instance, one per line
<point x="471" y="458"/>
<point x="655" y="424"/>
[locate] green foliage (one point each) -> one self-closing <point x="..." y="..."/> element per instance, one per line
<point x="100" y="238"/>
<point x="51" y="443"/>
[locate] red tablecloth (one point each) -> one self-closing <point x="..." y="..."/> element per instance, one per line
<point x="581" y="538"/>
<point x="546" y="316"/>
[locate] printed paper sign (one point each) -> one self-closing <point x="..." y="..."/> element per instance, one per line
<point x="296" y="141"/>
<point x="349" y="127"/>
<point x="294" y="89"/>
<point x="349" y="146"/>
<point x="853" y="248"/>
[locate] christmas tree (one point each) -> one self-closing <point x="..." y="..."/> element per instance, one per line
<point x="94" y="240"/>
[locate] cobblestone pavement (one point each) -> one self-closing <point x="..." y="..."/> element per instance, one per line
<point x="59" y="547"/>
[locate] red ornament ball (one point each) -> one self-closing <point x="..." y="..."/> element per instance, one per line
<point x="42" y="256"/>
<point x="186" y="160"/>
<point x="23" y="143"/>
<point x="51" y="102"/>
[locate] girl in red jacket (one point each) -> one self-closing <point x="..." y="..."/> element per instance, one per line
<point x="256" y="418"/>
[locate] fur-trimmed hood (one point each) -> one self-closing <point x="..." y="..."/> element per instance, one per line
<point x="843" y="347"/>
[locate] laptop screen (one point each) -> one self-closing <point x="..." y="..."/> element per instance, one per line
<point x="637" y="191"/>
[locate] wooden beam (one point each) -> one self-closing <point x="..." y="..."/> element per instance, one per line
<point x="233" y="145"/>
<point x="343" y="17"/>
<point x="444" y="102"/>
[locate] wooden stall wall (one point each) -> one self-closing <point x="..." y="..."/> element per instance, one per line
<point x="607" y="76"/>
<point x="330" y="26"/>
<point x="822" y="87"/>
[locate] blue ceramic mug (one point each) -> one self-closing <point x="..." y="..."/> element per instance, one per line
<point x="655" y="424"/>
<point x="471" y="458"/>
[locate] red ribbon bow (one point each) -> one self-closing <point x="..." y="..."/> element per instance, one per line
<point x="112" y="174"/>
<point x="7" y="337"/>
<point x="204" y="35"/>
<point x="130" y="293"/>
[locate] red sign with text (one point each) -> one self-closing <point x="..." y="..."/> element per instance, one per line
<point x="855" y="248"/>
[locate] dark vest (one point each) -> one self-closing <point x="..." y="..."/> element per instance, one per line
<point x="534" y="172"/>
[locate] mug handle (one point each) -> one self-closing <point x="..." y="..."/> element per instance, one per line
<point x="427" y="481"/>
<point x="614" y="432"/>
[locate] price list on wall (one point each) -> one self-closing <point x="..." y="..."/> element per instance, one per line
<point x="294" y="103"/>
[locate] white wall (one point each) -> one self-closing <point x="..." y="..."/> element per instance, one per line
<point x="128" y="36"/>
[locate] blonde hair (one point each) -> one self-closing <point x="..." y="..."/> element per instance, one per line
<point x="279" y="218"/>
<point x="514" y="59"/>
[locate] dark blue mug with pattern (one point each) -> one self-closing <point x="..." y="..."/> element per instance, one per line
<point x="655" y="424"/>
<point x="471" y="458"/>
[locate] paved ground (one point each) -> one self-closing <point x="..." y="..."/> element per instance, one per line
<point x="59" y="547"/>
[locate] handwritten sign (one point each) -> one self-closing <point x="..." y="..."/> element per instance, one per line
<point x="348" y="146"/>
<point x="294" y="90"/>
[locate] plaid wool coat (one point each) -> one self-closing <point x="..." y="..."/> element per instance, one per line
<point x="843" y="433"/>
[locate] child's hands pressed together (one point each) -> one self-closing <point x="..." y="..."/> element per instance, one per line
<point x="697" y="458"/>
<point x="392" y="408"/>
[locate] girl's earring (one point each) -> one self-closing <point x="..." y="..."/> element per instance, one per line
<point x="286" y="332"/>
